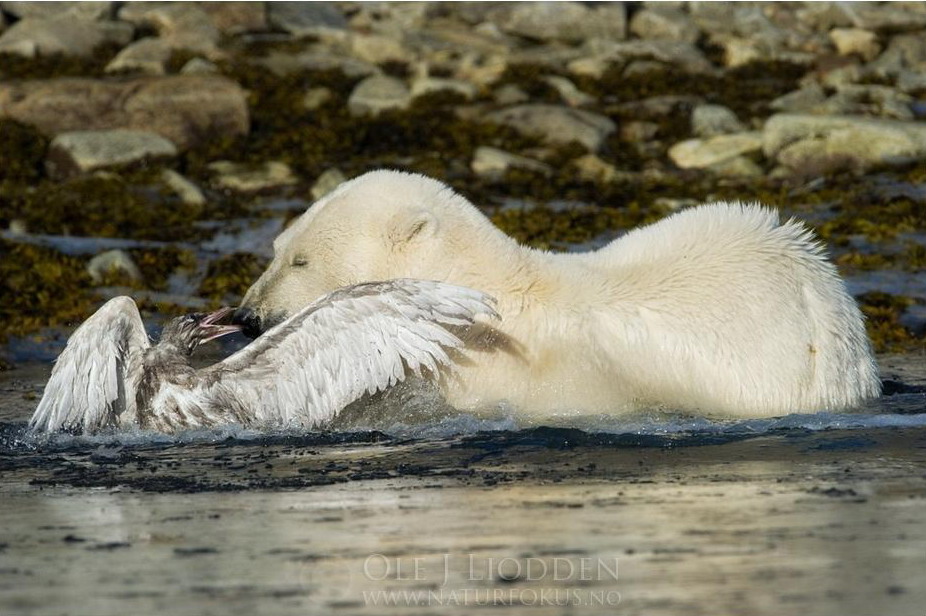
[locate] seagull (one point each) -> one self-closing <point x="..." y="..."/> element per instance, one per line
<point x="356" y="340"/>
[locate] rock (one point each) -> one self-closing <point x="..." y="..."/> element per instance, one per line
<point x="510" y="94"/>
<point x="321" y="19"/>
<point x="492" y="163"/>
<point x="189" y="193"/>
<point x="685" y="56"/>
<point x="283" y="64"/>
<point x="851" y="99"/>
<point x="557" y="125"/>
<point x="236" y="17"/>
<point x="84" y="151"/>
<point x="824" y="16"/>
<point x="568" y="91"/>
<point x="713" y="120"/>
<point x="863" y="43"/>
<point x="199" y="66"/>
<point x="86" y="11"/>
<point x="113" y="262"/>
<point x="891" y="17"/>
<point x="428" y="85"/>
<point x="842" y="141"/>
<point x="904" y="52"/>
<point x="185" y="109"/>
<point x="316" y="97"/>
<point x="566" y="21"/>
<point x="738" y="166"/>
<point x="590" y="168"/>
<point x="911" y="82"/>
<point x="664" y="23"/>
<point x="379" y="93"/>
<point x="33" y="37"/>
<point x="806" y="98"/>
<point x="704" y="153"/>
<point x="173" y="19"/>
<point x="326" y="182"/>
<point x="638" y="131"/>
<point x="376" y="49"/>
<point x="148" y="55"/>
<point x="246" y="178"/>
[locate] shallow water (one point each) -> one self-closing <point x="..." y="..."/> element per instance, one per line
<point x="656" y="513"/>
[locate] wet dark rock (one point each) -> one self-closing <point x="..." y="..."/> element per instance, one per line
<point x="33" y="37"/>
<point x="84" y="151"/>
<point x="185" y="109"/>
<point x="557" y="125"/>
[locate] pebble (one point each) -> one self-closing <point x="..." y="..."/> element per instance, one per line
<point x="557" y="125"/>
<point x="113" y="262"/>
<point x="713" y="120"/>
<point x="492" y="164"/>
<point x="704" y="153"/>
<point x="189" y="193"/>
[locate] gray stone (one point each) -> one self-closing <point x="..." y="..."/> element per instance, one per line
<point x="904" y="52"/>
<point x="590" y="168"/>
<point x="322" y="19"/>
<point x="492" y="163"/>
<point x="664" y="23"/>
<point x="844" y="141"/>
<point x="113" y="262"/>
<point x="379" y="93"/>
<point x="713" y="120"/>
<point x="568" y="91"/>
<point x="376" y="48"/>
<point x="185" y="109"/>
<point x="32" y="37"/>
<point x="704" y="153"/>
<point x="189" y="193"/>
<point x="639" y="131"/>
<point x="862" y="43"/>
<point x="326" y="182"/>
<point x="283" y="64"/>
<point x="148" y="55"/>
<point x="87" y="11"/>
<point x="738" y="166"/>
<point x="557" y="125"/>
<point x="566" y="21"/>
<point x="246" y="178"/>
<point x="199" y="66"/>
<point x="510" y="94"/>
<point x="806" y="98"/>
<point x="173" y="19"/>
<point x="911" y="82"/>
<point x="851" y="99"/>
<point x="84" y="151"/>
<point x="429" y="85"/>
<point x="890" y="17"/>
<point x="237" y="17"/>
<point x="683" y="55"/>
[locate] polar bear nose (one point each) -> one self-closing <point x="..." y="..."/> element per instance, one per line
<point x="249" y="322"/>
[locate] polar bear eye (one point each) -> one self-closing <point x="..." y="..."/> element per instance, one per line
<point x="299" y="261"/>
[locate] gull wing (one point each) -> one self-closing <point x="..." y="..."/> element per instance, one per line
<point x="356" y="340"/>
<point x="87" y="389"/>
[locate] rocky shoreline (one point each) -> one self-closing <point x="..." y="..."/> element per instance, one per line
<point x="180" y="128"/>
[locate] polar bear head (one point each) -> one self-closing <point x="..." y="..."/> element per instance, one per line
<point x="379" y="226"/>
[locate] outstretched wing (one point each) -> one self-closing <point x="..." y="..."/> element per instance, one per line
<point x="356" y="340"/>
<point x="87" y="389"/>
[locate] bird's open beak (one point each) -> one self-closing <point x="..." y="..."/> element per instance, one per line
<point x="211" y="328"/>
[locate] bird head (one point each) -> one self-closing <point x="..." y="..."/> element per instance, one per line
<point x="191" y="330"/>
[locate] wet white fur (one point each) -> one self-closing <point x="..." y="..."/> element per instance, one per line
<point x="719" y="309"/>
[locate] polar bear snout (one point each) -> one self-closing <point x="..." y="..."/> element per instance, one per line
<point x="249" y="321"/>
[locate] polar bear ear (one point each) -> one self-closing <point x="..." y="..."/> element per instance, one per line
<point x="411" y="225"/>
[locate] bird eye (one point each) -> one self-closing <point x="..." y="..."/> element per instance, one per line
<point x="299" y="261"/>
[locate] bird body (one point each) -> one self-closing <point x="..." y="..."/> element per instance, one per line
<point x="354" y="341"/>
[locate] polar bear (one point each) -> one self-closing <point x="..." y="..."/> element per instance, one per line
<point x="718" y="309"/>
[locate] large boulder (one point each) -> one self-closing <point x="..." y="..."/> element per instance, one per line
<point x="186" y="109"/>
<point x="800" y="141"/>
<point x="84" y="151"/>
